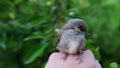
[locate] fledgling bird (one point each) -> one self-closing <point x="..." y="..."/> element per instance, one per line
<point x="71" y="38"/>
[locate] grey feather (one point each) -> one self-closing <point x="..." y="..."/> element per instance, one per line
<point x="72" y="37"/>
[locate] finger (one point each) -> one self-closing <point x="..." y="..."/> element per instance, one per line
<point x="98" y="64"/>
<point x="51" y="61"/>
<point x="88" y="60"/>
<point x="88" y="55"/>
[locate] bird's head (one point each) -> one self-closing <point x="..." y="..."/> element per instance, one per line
<point x="78" y="25"/>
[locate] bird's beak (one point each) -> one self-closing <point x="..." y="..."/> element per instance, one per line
<point x="77" y="31"/>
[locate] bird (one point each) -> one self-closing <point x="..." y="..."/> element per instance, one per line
<point x="71" y="38"/>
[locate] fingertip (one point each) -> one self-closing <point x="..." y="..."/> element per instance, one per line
<point x="53" y="55"/>
<point x="88" y="57"/>
<point x="51" y="61"/>
<point x="98" y="65"/>
<point x="89" y="52"/>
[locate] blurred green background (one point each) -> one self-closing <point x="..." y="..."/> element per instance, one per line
<point x="28" y="30"/>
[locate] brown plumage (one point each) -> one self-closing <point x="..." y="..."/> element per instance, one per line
<point x="71" y="38"/>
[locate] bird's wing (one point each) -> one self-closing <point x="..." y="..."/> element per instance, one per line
<point x="59" y="37"/>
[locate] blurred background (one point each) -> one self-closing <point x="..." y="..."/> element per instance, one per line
<point x="28" y="30"/>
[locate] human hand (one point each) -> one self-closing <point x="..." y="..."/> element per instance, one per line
<point x="88" y="61"/>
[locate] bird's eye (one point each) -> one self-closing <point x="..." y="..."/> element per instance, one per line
<point x="81" y="28"/>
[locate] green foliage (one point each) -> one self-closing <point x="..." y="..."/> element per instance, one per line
<point x="94" y="49"/>
<point x="113" y="65"/>
<point x="28" y="30"/>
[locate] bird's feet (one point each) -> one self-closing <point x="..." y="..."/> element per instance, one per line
<point x="64" y="57"/>
<point x="80" y="58"/>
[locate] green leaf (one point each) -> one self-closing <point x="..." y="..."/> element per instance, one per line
<point x="36" y="54"/>
<point x="110" y="2"/>
<point x="3" y="45"/>
<point x="113" y="65"/>
<point x="95" y="51"/>
<point x="114" y="23"/>
<point x="33" y="37"/>
<point x="18" y="1"/>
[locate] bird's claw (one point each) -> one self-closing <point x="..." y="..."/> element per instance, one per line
<point x="64" y="57"/>
<point x="79" y="58"/>
<point x="79" y="61"/>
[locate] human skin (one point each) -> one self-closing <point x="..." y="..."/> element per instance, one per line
<point x="72" y="61"/>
